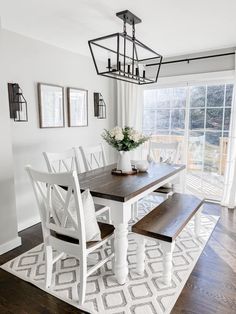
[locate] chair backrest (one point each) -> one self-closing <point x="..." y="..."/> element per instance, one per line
<point x="93" y="157"/>
<point x="164" y="152"/>
<point x="54" y="203"/>
<point x="62" y="162"/>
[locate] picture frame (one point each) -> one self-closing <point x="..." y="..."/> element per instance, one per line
<point x="51" y="106"/>
<point x="77" y="101"/>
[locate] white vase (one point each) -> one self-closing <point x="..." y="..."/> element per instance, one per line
<point x="124" y="163"/>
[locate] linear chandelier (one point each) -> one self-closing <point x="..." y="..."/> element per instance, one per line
<point x="123" y="57"/>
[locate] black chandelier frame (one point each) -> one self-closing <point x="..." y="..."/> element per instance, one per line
<point x="132" y="74"/>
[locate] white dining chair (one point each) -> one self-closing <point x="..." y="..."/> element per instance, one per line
<point x="61" y="161"/>
<point x="93" y="156"/>
<point x="69" y="161"/>
<point x="165" y="152"/>
<point x="66" y="233"/>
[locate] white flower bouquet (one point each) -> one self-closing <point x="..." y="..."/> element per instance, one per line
<point x="124" y="139"/>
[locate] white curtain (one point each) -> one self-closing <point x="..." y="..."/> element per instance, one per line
<point x="129" y="105"/>
<point x="130" y="109"/>
<point x="229" y="195"/>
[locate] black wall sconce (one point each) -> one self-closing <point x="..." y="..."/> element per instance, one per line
<point x="17" y="103"/>
<point x="99" y="106"/>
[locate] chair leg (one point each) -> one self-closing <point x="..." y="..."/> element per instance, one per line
<point x="197" y="223"/>
<point x="140" y="254"/>
<point x="83" y="280"/>
<point x="49" y="265"/>
<point x="167" y="248"/>
<point x="113" y="258"/>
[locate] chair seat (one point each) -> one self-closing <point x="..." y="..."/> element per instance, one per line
<point x="164" y="190"/>
<point x="106" y="231"/>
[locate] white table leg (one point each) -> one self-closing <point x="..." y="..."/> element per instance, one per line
<point x="167" y="248"/>
<point x="140" y="254"/>
<point x="120" y="215"/>
<point x="197" y="223"/>
<point x="121" y="247"/>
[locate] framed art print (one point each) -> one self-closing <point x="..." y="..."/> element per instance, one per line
<point x="77" y="107"/>
<point x="51" y="106"/>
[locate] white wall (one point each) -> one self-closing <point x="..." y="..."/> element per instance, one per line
<point x="27" y="61"/>
<point x="8" y="223"/>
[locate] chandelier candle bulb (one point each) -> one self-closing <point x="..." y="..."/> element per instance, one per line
<point x="143" y="73"/>
<point x="137" y="71"/>
<point x="119" y="65"/>
<point x="109" y="64"/>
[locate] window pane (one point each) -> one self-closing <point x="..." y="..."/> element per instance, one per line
<point x="164" y="98"/>
<point x="177" y="119"/>
<point x="162" y="120"/>
<point x="162" y="132"/>
<point x="179" y="97"/>
<point x="196" y="119"/>
<point x="212" y="151"/>
<point x="215" y="96"/>
<point x="228" y="95"/>
<point x="149" y="121"/>
<point x="214" y="118"/>
<point x="150" y="99"/>
<point x="197" y="96"/>
<point x="179" y="133"/>
<point x="227" y="118"/>
<point x="195" y="151"/>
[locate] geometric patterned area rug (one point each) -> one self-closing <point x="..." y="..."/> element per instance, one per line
<point x="141" y="294"/>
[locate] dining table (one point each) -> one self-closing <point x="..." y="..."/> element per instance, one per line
<point x="120" y="192"/>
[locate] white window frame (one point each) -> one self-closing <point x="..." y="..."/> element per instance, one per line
<point x="211" y="78"/>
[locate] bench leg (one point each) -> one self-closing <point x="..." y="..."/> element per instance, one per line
<point x="140" y="254"/>
<point x="197" y="223"/>
<point x="167" y="248"/>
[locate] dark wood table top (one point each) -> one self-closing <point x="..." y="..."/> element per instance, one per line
<point x="103" y="184"/>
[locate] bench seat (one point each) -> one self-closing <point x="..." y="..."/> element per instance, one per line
<point x="169" y="218"/>
<point x="165" y="222"/>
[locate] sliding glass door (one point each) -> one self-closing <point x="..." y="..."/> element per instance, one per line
<point x="198" y="117"/>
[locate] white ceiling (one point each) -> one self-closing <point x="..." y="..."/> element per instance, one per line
<point x="171" y="27"/>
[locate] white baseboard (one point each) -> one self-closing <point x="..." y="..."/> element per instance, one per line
<point x="10" y="245"/>
<point x="28" y="223"/>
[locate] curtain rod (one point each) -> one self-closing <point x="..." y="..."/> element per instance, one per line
<point x="192" y="59"/>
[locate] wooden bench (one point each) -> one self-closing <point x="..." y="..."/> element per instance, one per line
<point x="165" y="222"/>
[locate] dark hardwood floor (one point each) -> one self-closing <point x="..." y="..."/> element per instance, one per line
<point x="20" y="297"/>
<point x="211" y="288"/>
